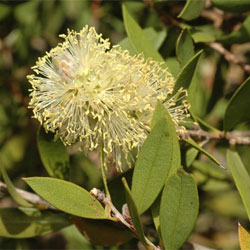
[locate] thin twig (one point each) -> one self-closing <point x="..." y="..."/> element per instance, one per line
<point x="104" y="178"/>
<point x="100" y="196"/>
<point x="234" y="137"/>
<point x="229" y="56"/>
<point x="214" y="15"/>
<point x="30" y="197"/>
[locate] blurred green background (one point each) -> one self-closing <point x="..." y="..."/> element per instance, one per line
<point x="29" y="28"/>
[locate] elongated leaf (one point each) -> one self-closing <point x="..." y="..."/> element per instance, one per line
<point x="242" y="35"/>
<point x="134" y="212"/>
<point x="232" y="5"/>
<point x="244" y="237"/>
<point x="156" y="38"/>
<point x="12" y="190"/>
<point x="155" y="210"/>
<point x="205" y="33"/>
<point x="173" y="66"/>
<point x="204" y="124"/>
<point x="185" y="76"/>
<point x="53" y="154"/>
<point x="29" y="222"/>
<point x="196" y="146"/>
<point x="178" y="210"/>
<point x="184" y="48"/>
<point x="238" y="107"/>
<point x="159" y="157"/>
<point x="139" y="40"/>
<point x="67" y="197"/>
<point x="241" y="177"/>
<point x="192" y="153"/>
<point x="192" y="9"/>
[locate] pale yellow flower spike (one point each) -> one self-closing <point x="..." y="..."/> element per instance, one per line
<point x="87" y="92"/>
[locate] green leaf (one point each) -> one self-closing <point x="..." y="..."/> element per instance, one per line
<point x="134" y="212"/>
<point x="126" y="44"/>
<point x="211" y="170"/>
<point x="192" y="9"/>
<point x="139" y="40"/>
<point x="242" y="35"/>
<point x="238" y="107"/>
<point x="29" y="222"/>
<point x="202" y="37"/>
<point x="184" y="48"/>
<point x="244" y="237"/>
<point x="173" y="66"/>
<point x="205" y="33"/>
<point x="156" y="38"/>
<point x="232" y="5"/>
<point x="179" y="209"/>
<point x="240" y="176"/>
<point x="204" y="124"/>
<point x="116" y="188"/>
<point x="185" y="76"/>
<point x="12" y="190"/>
<point x="159" y="157"/>
<point x="192" y="153"/>
<point x="196" y="146"/>
<point x="53" y="154"/>
<point x="155" y="209"/>
<point x="67" y="197"/>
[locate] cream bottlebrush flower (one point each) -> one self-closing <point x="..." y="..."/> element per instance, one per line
<point x="153" y="83"/>
<point x="87" y="92"/>
<point x="79" y="93"/>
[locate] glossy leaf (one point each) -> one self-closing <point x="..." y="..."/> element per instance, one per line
<point x="12" y="190"/>
<point x="240" y="176"/>
<point x="244" y="237"/>
<point x="102" y="232"/>
<point x="192" y="9"/>
<point x="133" y="211"/>
<point x="178" y="210"/>
<point x="232" y="5"/>
<point x="185" y="76"/>
<point x="242" y="35"/>
<point x="53" y="155"/>
<point x="29" y="222"/>
<point x="159" y="157"/>
<point x="238" y="107"/>
<point x="67" y="197"/>
<point x="139" y="40"/>
<point x="196" y="146"/>
<point x="184" y="48"/>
